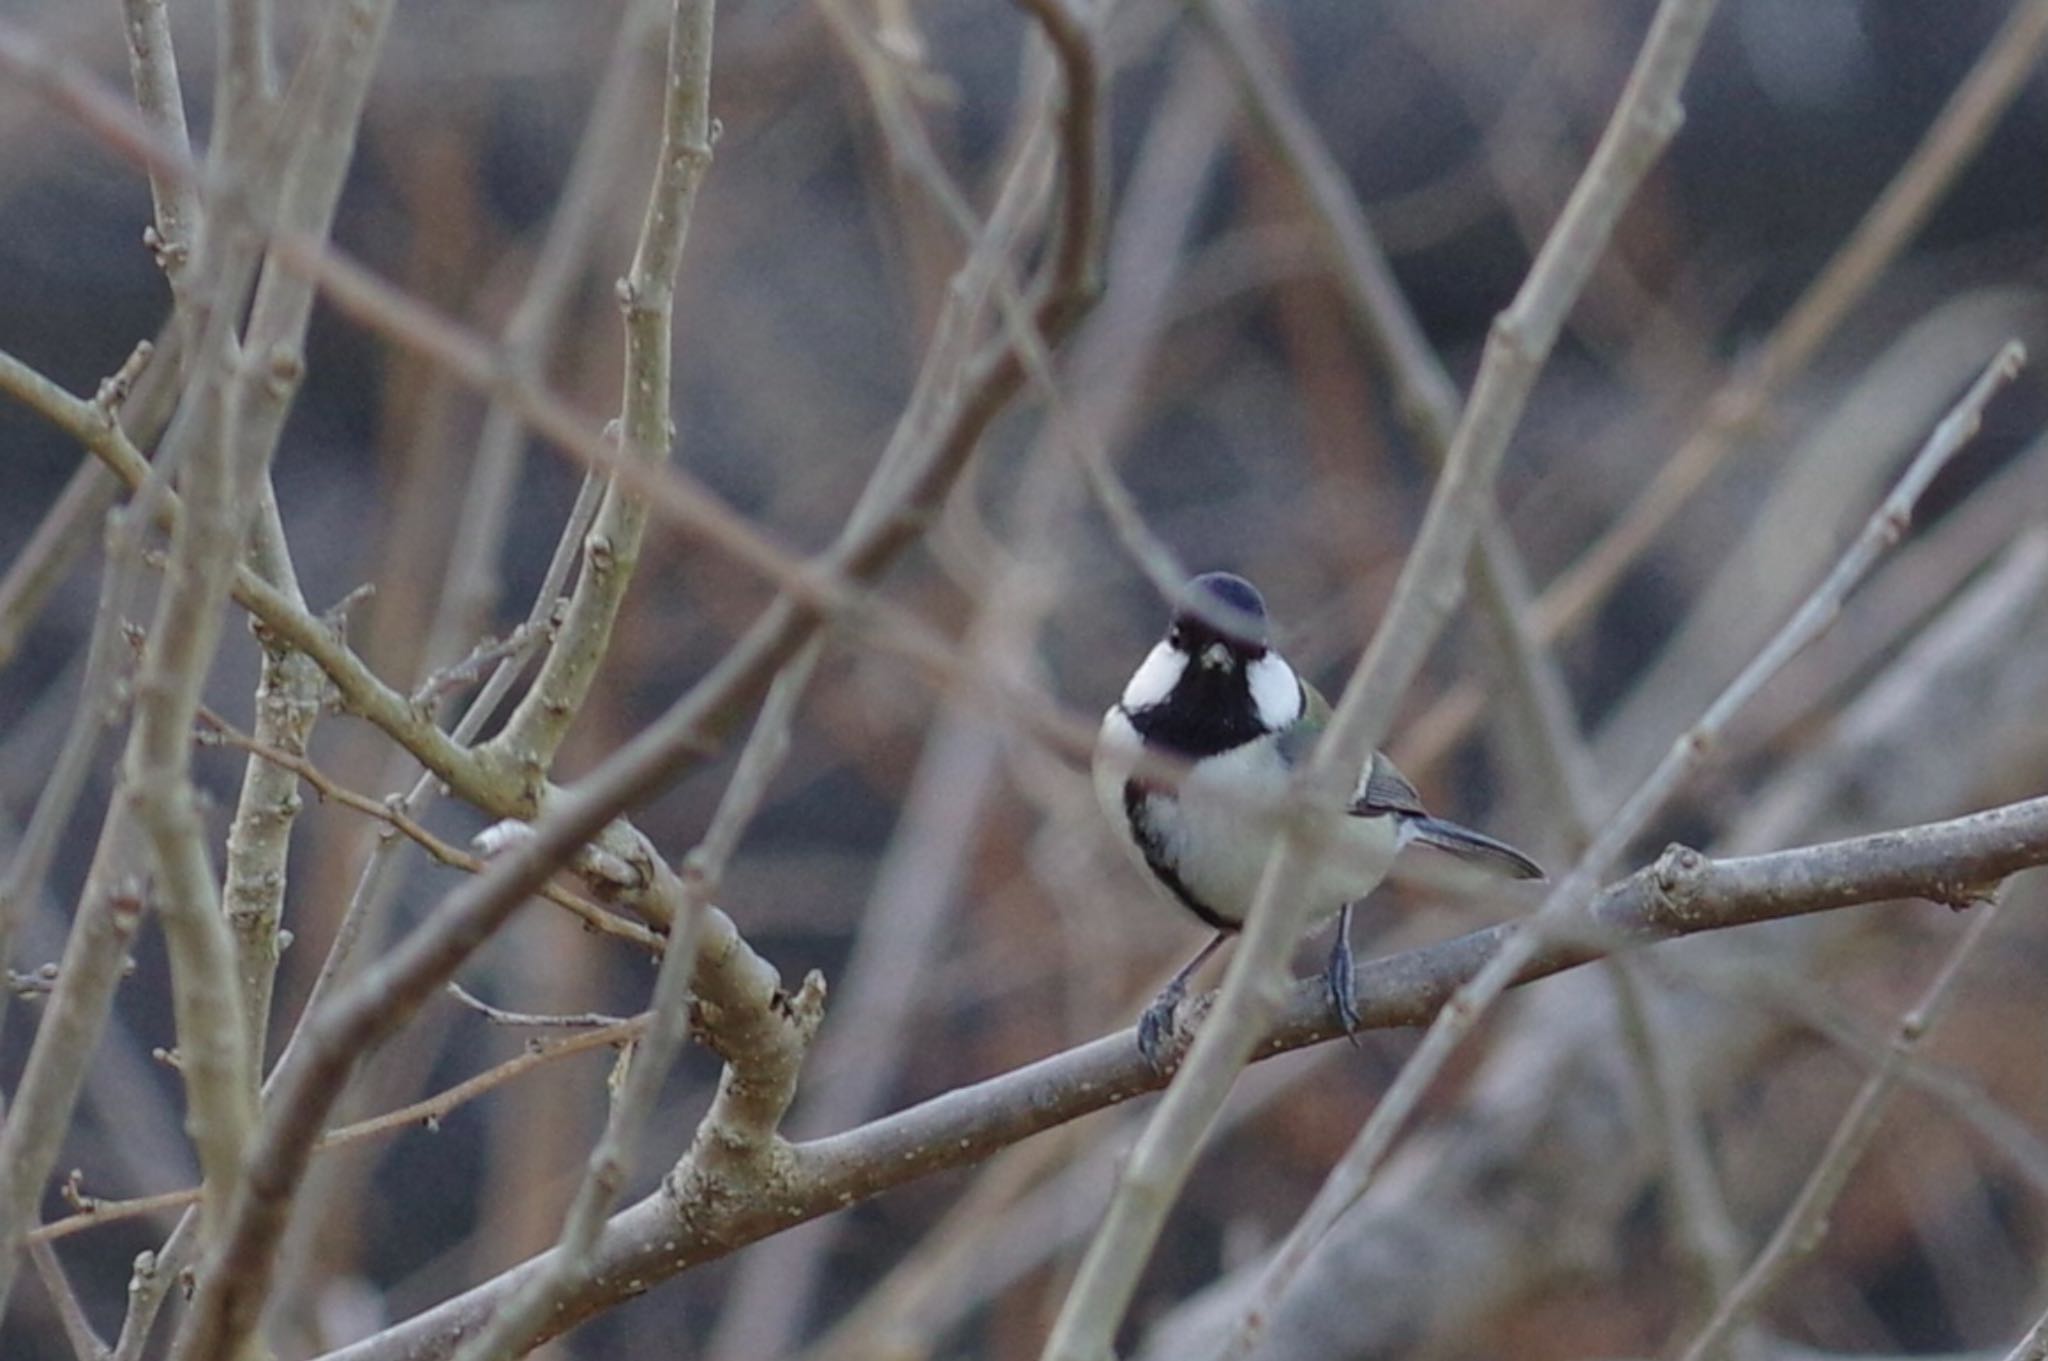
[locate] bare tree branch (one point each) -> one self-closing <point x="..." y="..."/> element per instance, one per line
<point x="1683" y="893"/>
<point x="536" y="728"/>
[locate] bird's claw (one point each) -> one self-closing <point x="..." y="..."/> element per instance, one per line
<point x="1156" y="1028"/>
<point x="1339" y="980"/>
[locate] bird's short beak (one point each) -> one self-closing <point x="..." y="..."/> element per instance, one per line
<point x="1216" y="657"/>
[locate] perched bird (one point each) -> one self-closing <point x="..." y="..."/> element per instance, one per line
<point x="1215" y="695"/>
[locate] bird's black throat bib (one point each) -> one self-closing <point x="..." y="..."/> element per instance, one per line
<point x="1208" y="713"/>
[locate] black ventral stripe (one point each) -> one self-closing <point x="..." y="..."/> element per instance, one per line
<point x="1136" y="793"/>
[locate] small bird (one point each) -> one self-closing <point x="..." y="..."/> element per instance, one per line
<point x="1215" y="695"/>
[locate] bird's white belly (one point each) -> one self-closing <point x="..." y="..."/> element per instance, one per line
<point x="1211" y="830"/>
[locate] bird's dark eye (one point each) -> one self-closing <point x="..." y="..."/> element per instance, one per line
<point x="1177" y="636"/>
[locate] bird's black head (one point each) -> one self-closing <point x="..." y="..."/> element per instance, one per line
<point x="1220" y="607"/>
<point x="1214" y="682"/>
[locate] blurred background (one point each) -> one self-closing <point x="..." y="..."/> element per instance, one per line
<point x="951" y="878"/>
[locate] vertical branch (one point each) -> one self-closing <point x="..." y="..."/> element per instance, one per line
<point x="324" y="116"/>
<point x="213" y="1045"/>
<point x="647" y="295"/>
<point x="72" y="1021"/>
<point x="289" y="692"/>
<point x="472" y="588"/>
<point x="153" y="70"/>
<point x="1646" y="119"/>
<point x="243" y="83"/>
<point x="29" y="867"/>
<point x="292" y="687"/>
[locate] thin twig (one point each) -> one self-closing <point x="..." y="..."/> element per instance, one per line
<point x="1805" y="1222"/>
<point x="74" y="1017"/>
<point x="95" y="952"/>
<point x="212" y="1038"/>
<point x="1790" y="531"/>
<point x="1925" y="572"/>
<point x="2034" y="1346"/>
<point x="395" y="816"/>
<point x="1074" y="41"/>
<point x="1424" y="392"/>
<point x="541" y="720"/>
<point x="140" y="391"/>
<point x="150" y="1282"/>
<point x="428" y="1111"/>
<point x="290" y="691"/>
<point x="29" y="867"/>
<point x="153" y="71"/>
<point x="586" y="1020"/>
<point x="472" y="578"/>
<point x="85" y="1343"/>
<point x="60" y="537"/>
<point x="458" y="675"/>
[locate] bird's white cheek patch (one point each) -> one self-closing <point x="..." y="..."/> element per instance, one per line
<point x="1155" y="680"/>
<point x="1276" y="694"/>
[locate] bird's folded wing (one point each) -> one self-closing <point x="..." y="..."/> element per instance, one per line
<point x="1386" y="790"/>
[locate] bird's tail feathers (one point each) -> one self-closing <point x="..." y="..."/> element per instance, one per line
<point x="1476" y="847"/>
